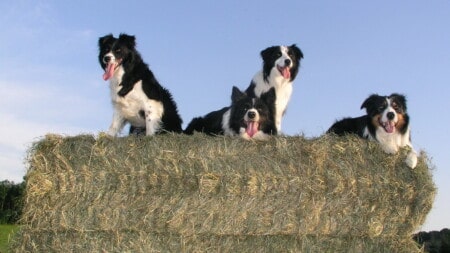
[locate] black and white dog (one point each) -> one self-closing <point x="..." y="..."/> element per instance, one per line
<point x="280" y="67"/>
<point x="136" y="95"/>
<point x="249" y="118"/>
<point x="386" y="122"/>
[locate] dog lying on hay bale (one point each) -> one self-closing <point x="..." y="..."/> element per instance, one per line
<point x="198" y="193"/>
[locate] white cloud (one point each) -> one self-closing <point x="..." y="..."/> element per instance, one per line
<point x="17" y="135"/>
<point x="12" y="167"/>
<point x="30" y="110"/>
<point x="52" y="100"/>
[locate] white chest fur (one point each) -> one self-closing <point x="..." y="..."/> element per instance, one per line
<point x="283" y="91"/>
<point x="135" y="108"/>
<point x="390" y="143"/>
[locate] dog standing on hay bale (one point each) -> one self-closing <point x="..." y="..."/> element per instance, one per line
<point x="137" y="96"/>
<point x="386" y="122"/>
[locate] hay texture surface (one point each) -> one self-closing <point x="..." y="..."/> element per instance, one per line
<point x="176" y="193"/>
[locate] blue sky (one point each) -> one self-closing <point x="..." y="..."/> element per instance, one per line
<point x="52" y="82"/>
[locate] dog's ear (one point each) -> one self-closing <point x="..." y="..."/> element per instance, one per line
<point x="267" y="53"/>
<point x="129" y="40"/>
<point x="237" y="94"/>
<point x="399" y="99"/>
<point x="269" y="97"/>
<point x="369" y="101"/>
<point x="105" y="39"/>
<point x="298" y="53"/>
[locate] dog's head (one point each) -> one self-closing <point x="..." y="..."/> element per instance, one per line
<point x="283" y="60"/>
<point x="113" y="52"/>
<point x="387" y="112"/>
<point x="252" y="115"/>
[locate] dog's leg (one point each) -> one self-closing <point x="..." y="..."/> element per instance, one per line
<point x="261" y="136"/>
<point x="280" y="110"/>
<point x="153" y="114"/>
<point x="278" y="116"/>
<point x="278" y="122"/>
<point x="411" y="158"/>
<point x="152" y="126"/>
<point x="118" y="122"/>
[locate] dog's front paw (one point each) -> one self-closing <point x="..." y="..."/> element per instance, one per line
<point x="389" y="149"/>
<point x="411" y="159"/>
<point x="112" y="132"/>
<point x="261" y="136"/>
<point x="245" y="136"/>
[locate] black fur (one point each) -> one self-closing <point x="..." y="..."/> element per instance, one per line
<point x="210" y="124"/>
<point x="251" y="90"/>
<point x="434" y="241"/>
<point x="137" y="70"/>
<point x="350" y="126"/>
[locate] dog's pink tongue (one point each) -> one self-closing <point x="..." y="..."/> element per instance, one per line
<point x="252" y="128"/>
<point x="286" y="73"/>
<point x="389" y="127"/>
<point x="109" y="71"/>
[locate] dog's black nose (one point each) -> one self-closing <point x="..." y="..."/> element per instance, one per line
<point x="287" y="62"/>
<point x="106" y="59"/>
<point x="390" y="115"/>
<point x="251" y="115"/>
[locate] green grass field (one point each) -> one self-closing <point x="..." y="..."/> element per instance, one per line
<point x="5" y="231"/>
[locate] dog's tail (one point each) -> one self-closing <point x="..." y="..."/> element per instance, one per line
<point x="196" y="124"/>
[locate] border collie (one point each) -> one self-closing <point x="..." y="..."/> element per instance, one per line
<point x="250" y="118"/>
<point x="386" y="122"/>
<point x="136" y="95"/>
<point x="280" y="67"/>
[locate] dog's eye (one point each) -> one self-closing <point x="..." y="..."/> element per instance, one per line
<point x="278" y="54"/>
<point x="117" y="51"/>
<point x="397" y="108"/>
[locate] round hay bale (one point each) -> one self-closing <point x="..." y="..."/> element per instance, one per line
<point x="200" y="193"/>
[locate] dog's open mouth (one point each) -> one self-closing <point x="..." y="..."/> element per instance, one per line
<point x="389" y="126"/>
<point x="109" y="70"/>
<point x="251" y="128"/>
<point x="285" y="71"/>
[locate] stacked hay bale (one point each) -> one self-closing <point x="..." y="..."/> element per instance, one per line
<point x="176" y="193"/>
